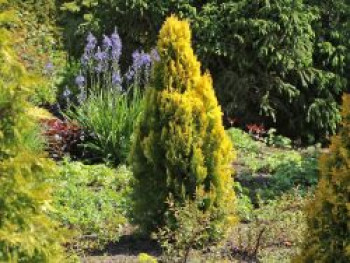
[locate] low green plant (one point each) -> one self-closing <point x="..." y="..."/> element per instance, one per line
<point x="258" y="157"/>
<point x="190" y="232"/>
<point x="301" y="173"/>
<point x="244" y="143"/>
<point x="38" y="45"/>
<point x="92" y="200"/>
<point x="274" y="139"/>
<point x="266" y="172"/>
<point x="243" y="203"/>
<point x="274" y="233"/>
<point x="109" y="118"/>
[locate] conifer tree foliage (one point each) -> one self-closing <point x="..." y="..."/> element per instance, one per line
<point x="180" y="147"/>
<point x="328" y="216"/>
<point x="275" y="78"/>
<point x="27" y="234"/>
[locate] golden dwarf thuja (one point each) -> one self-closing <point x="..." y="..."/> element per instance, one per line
<point x="27" y="234"/>
<point x="180" y="148"/>
<point x="328" y="215"/>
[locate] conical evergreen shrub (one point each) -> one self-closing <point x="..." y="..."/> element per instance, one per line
<point x="328" y="215"/>
<point x="27" y="234"/>
<point x="180" y="147"/>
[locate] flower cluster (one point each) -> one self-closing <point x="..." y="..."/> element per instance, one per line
<point x="101" y="70"/>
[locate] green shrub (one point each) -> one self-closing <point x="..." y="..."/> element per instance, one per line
<point x="38" y="45"/>
<point x="27" y="234"/>
<point x="190" y="232"/>
<point x="109" y="118"/>
<point x="328" y="215"/>
<point x="180" y="146"/>
<point x="92" y="200"/>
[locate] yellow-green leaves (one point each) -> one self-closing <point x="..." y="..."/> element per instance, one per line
<point x="27" y="233"/>
<point x="180" y="148"/>
<point x="328" y="215"/>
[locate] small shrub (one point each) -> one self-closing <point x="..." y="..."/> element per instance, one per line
<point x="38" y="45"/>
<point x="243" y="141"/>
<point x="93" y="202"/>
<point x="301" y="173"/>
<point x="266" y="172"/>
<point x="243" y="204"/>
<point x="191" y="231"/>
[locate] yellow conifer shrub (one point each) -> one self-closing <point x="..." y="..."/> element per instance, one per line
<point x="180" y="146"/>
<point x="328" y="215"/>
<point x="27" y="233"/>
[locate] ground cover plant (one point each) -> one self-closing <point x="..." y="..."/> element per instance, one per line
<point x="118" y="145"/>
<point x="92" y="201"/>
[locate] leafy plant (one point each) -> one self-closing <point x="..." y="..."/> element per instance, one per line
<point x="62" y="136"/>
<point x="301" y="173"/>
<point x="243" y="142"/>
<point x="268" y="171"/>
<point x="274" y="233"/>
<point x="92" y="201"/>
<point x="243" y="203"/>
<point x="109" y="119"/>
<point x="277" y="140"/>
<point x="190" y="232"/>
<point x="180" y="146"/>
<point x="38" y="45"/>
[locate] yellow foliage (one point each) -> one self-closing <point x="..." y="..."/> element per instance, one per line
<point x="39" y="113"/>
<point x="328" y="215"/>
<point x="180" y="143"/>
<point x="27" y="233"/>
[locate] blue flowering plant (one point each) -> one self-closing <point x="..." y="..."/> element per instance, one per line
<point x="100" y="67"/>
<point x="109" y="102"/>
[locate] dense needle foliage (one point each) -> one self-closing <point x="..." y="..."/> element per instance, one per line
<point x="181" y="149"/>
